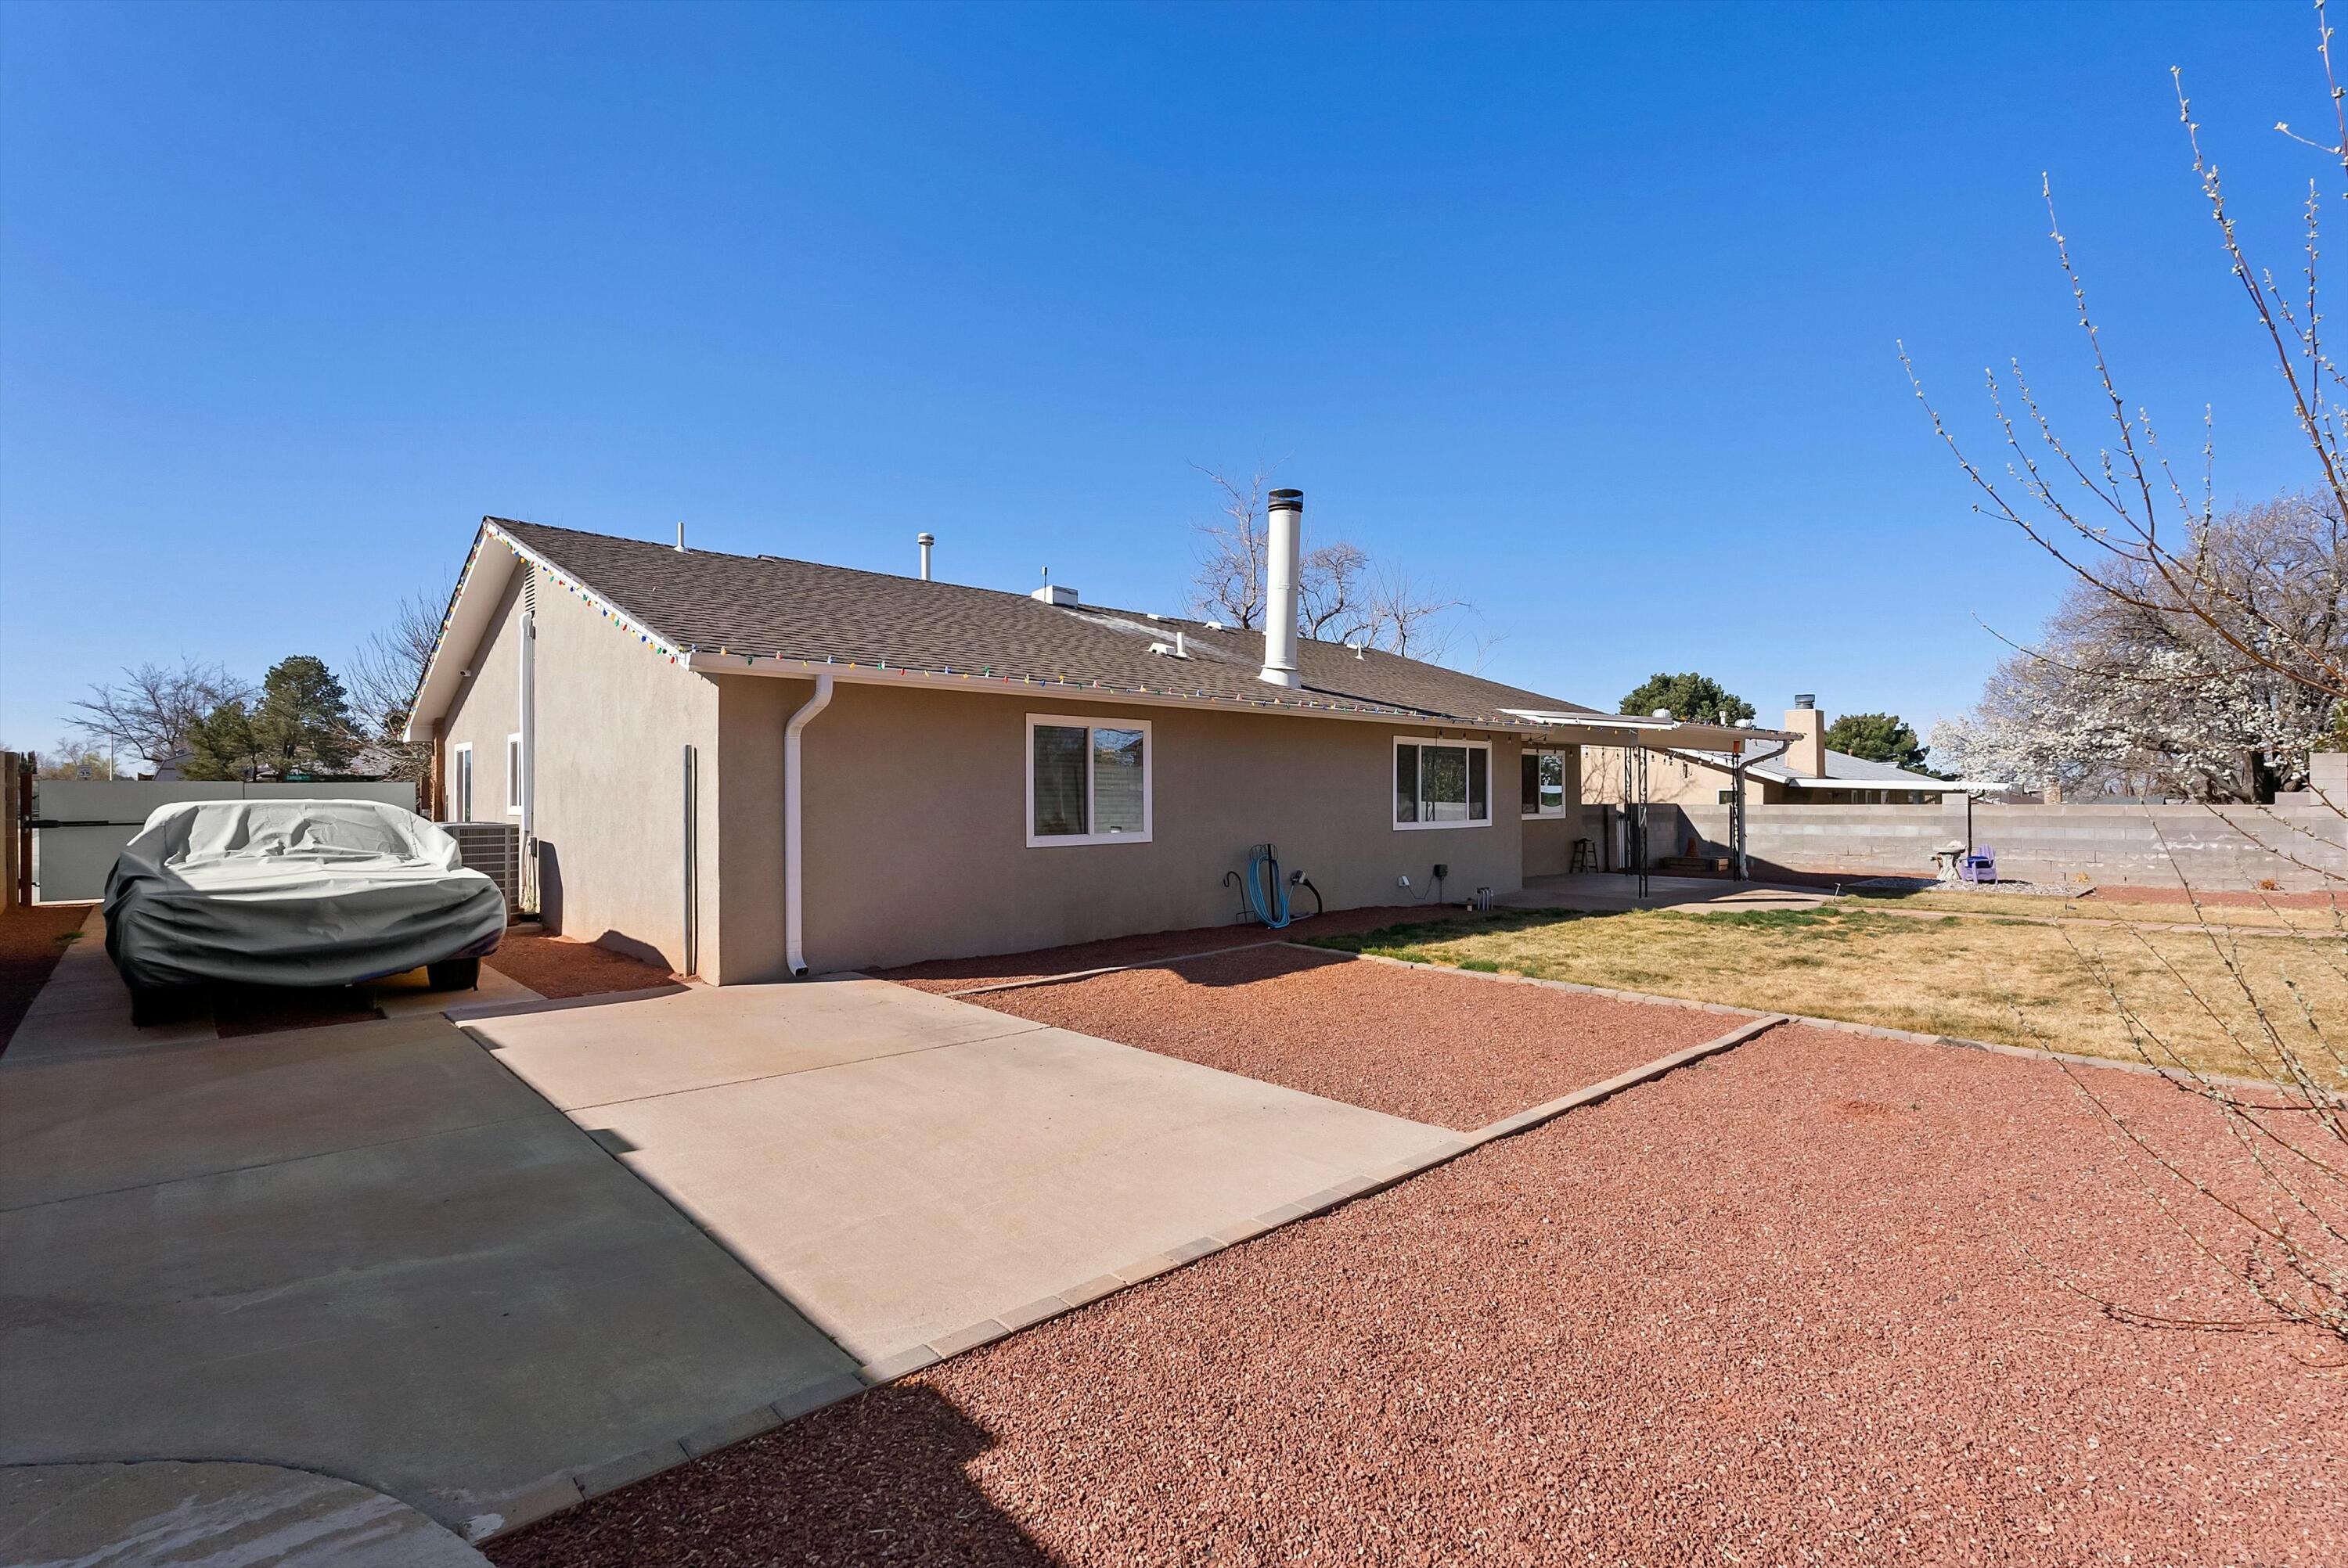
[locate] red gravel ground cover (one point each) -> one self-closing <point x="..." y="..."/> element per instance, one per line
<point x="32" y="939"/>
<point x="559" y="967"/>
<point x="954" y="973"/>
<point x="1423" y="1043"/>
<point x="1774" y="1309"/>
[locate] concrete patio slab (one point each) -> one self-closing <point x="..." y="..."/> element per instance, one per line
<point x="697" y="1037"/>
<point x="952" y="1171"/>
<point x="209" y="1515"/>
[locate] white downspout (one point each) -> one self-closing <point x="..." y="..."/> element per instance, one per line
<point x="794" y="921"/>
<point x="526" y="716"/>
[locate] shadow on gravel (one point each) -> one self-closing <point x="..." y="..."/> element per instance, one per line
<point x="882" y="1477"/>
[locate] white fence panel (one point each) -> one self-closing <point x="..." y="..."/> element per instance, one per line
<point x="81" y="824"/>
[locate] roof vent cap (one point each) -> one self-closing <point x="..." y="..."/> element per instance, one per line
<point x="1052" y="592"/>
<point x="1805" y="698"/>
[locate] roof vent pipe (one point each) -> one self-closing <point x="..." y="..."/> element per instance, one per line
<point x="680" y="536"/>
<point x="1286" y="520"/>
<point x="925" y="540"/>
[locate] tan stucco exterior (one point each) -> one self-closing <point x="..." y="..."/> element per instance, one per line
<point x="916" y="810"/>
<point x="611" y="725"/>
<point x="1549" y="840"/>
<point x="916" y="824"/>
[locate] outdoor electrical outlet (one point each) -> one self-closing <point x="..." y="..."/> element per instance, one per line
<point x="1441" y="872"/>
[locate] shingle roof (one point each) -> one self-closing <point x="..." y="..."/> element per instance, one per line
<point x="701" y="600"/>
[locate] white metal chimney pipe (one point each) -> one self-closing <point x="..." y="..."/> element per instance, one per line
<point x="925" y="540"/>
<point x="1286" y="527"/>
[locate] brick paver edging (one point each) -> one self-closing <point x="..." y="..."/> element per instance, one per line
<point x="1841" y="1026"/>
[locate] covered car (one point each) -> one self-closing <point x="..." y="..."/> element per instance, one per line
<point x="295" y="893"/>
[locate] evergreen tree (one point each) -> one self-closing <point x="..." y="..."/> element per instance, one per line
<point x="1876" y="738"/>
<point x="1689" y="698"/>
<point x="300" y="728"/>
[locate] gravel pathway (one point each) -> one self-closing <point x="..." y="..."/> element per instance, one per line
<point x="1767" y="1311"/>
<point x="1422" y="1043"/>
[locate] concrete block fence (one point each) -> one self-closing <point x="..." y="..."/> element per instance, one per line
<point x="2215" y="848"/>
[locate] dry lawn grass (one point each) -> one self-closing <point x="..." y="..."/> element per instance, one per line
<point x="2114" y="905"/>
<point x="2009" y="981"/>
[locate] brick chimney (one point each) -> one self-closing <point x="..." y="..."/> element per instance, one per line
<point x="1808" y="755"/>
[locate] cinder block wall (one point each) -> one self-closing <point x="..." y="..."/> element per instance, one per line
<point x="2225" y="848"/>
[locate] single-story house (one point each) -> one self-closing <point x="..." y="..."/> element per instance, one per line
<point x="751" y="767"/>
<point x="1803" y="773"/>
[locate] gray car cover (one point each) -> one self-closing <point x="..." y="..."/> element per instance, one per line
<point x="292" y="893"/>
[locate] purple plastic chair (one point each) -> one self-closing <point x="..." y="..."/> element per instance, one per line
<point x="1980" y="866"/>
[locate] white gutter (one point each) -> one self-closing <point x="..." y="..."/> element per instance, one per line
<point x="794" y="837"/>
<point x="1602" y="729"/>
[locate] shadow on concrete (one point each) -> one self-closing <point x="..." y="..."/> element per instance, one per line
<point x="882" y="1477"/>
<point x="243" y="1009"/>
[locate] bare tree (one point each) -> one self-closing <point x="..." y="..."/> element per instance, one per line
<point x="1229" y="584"/>
<point x="1405" y="616"/>
<point x="1341" y="595"/>
<point x="384" y="677"/>
<point x="152" y="712"/>
<point x="1333" y="584"/>
<point x="2278" y="1221"/>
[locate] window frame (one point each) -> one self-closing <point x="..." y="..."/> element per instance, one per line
<point x="1394" y="760"/>
<point x="1538" y="814"/>
<point x="513" y="773"/>
<point x="1089" y="723"/>
<point x="460" y="764"/>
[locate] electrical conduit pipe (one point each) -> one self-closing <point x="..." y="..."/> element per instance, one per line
<point x="794" y="837"/>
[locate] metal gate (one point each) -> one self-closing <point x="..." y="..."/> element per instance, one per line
<point x="78" y="826"/>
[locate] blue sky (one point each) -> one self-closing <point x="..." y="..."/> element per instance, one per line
<point x="1585" y="313"/>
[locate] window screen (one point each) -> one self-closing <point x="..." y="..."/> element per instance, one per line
<point x="1059" y="780"/>
<point x="1091" y="781"/>
<point x="1442" y="783"/>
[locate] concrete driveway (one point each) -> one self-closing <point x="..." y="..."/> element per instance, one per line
<point x="915" y="1174"/>
<point x="364" y="1249"/>
<point x="486" y="1283"/>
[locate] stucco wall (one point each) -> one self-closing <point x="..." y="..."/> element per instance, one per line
<point x="1548" y="841"/>
<point x="916" y="825"/>
<point x="487" y="708"/>
<point x="612" y="720"/>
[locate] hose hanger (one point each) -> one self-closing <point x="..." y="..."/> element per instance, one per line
<point x="1264" y="888"/>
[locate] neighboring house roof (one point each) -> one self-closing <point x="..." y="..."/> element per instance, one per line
<point x="718" y="614"/>
<point x="1845" y="772"/>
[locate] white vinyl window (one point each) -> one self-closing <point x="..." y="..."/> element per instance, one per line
<point x="513" y="776"/>
<point x="1543" y="783"/>
<point x="1087" y="780"/>
<point x="460" y="782"/>
<point x="1442" y="783"/>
